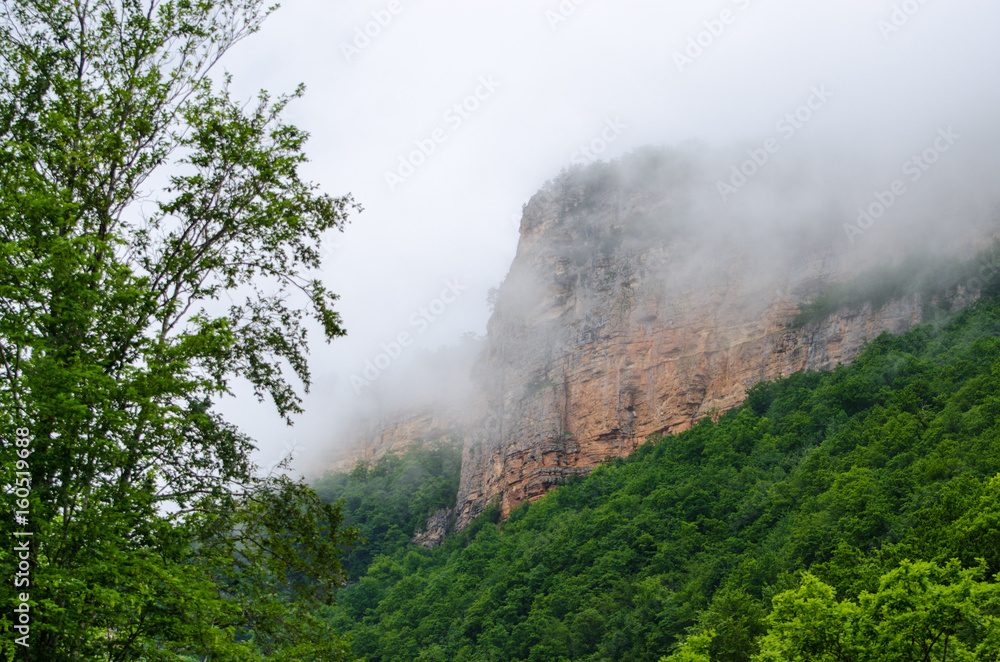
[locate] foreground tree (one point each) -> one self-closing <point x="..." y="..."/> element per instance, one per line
<point x="922" y="611"/>
<point x="148" y="532"/>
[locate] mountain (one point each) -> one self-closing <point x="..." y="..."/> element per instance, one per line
<point x="638" y="303"/>
<point x="845" y="514"/>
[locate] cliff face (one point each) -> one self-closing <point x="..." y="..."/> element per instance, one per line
<point x="619" y="320"/>
<point x="635" y="307"/>
<point x="381" y="436"/>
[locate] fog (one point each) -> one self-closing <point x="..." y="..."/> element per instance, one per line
<point x="444" y="118"/>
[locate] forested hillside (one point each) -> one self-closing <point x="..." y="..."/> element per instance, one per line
<point x="389" y="501"/>
<point x="850" y="515"/>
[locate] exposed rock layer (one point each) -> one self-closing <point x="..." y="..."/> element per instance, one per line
<point x="629" y="310"/>
<point x="394" y="434"/>
<point x="613" y="325"/>
<point x="437" y="527"/>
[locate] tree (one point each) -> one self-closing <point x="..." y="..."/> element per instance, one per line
<point x="694" y="649"/>
<point x="728" y="631"/>
<point x="922" y="611"/>
<point x="808" y="623"/>
<point x="156" y="243"/>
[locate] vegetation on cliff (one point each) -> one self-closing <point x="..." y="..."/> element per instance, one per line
<point x="933" y="278"/>
<point x="390" y="500"/>
<point x="844" y="515"/>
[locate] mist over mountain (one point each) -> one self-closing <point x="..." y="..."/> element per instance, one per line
<point x="846" y="100"/>
<point x="558" y="331"/>
<point x="651" y="211"/>
<point x="740" y="230"/>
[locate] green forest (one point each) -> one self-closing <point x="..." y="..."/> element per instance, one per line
<point x="388" y="502"/>
<point x="849" y="515"/>
<point x="162" y="250"/>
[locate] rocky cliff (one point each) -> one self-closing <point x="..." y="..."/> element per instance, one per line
<point x="633" y="307"/>
<point x="379" y="436"/>
<point x="627" y="312"/>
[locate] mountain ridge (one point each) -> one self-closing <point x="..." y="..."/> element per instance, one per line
<point x="637" y="305"/>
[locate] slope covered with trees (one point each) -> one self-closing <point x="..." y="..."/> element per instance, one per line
<point x="389" y="501"/>
<point x="850" y="515"/>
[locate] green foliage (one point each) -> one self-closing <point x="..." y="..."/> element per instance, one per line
<point x="921" y="611"/>
<point x="153" y="537"/>
<point x="387" y="503"/>
<point x="929" y="277"/>
<point x="877" y="476"/>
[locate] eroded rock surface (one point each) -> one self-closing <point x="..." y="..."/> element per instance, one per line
<point x="635" y="307"/>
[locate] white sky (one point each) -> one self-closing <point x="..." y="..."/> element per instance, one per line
<point x="564" y="70"/>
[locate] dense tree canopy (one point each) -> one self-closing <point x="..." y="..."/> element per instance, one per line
<point x="388" y="501"/>
<point x="156" y="242"/>
<point x="849" y="515"/>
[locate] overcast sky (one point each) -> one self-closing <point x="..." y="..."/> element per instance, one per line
<point x="443" y="118"/>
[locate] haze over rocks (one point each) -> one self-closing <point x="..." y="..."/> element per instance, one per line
<point x="639" y="302"/>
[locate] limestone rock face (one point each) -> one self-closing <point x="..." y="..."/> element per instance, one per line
<point x="435" y="530"/>
<point x="394" y="434"/>
<point x="634" y="307"/>
<point x="617" y="321"/>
